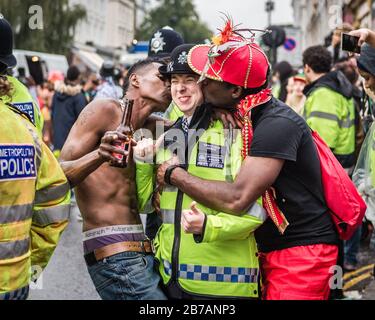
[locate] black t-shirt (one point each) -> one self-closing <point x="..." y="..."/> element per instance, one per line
<point x="281" y="133"/>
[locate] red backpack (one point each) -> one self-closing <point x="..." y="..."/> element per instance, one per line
<point x="345" y="204"/>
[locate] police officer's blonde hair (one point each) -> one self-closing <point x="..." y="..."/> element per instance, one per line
<point x="5" y="86"/>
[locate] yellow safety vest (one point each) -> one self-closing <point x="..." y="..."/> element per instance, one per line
<point x="225" y="263"/>
<point x="173" y="112"/>
<point x="34" y="203"/>
<point x="333" y="117"/>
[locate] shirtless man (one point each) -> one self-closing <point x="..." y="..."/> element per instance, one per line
<point x="117" y="254"/>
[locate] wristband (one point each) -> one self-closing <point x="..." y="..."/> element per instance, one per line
<point x="168" y="173"/>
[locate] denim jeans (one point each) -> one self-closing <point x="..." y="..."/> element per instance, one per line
<point x="352" y="247"/>
<point x="127" y="276"/>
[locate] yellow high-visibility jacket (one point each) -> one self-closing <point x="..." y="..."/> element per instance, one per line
<point x="173" y="112"/>
<point x="34" y="203"/>
<point x="22" y="100"/>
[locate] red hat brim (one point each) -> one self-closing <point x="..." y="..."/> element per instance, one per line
<point x="197" y="60"/>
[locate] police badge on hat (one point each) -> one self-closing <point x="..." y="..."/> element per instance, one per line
<point x="179" y="61"/>
<point x="182" y="58"/>
<point x="157" y="42"/>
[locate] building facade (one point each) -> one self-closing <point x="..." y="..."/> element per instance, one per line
<point x="109" y="23"/>
<point x="318" y="18"/>
<point x="359" y="13"/>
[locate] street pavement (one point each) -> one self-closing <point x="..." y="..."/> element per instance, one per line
<point x="66" y="276"/>
<point x="360" y="284"/>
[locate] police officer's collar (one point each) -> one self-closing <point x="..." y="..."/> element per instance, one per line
<point x="200" y="120"/>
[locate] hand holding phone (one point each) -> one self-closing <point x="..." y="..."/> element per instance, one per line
<point x="350" y="43"/>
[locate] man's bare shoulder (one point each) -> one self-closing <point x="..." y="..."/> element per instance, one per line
<point x="100" y="113"/>
<point x="95" y="120"/>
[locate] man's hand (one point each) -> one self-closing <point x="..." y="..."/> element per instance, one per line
<point x="162" y="169"/>
<point x="363" y="34"/>
<point x="192" y="221"/>
<point x="106" y="148"/>
<point x="144" y="151"/>
<point x="227" y="118"/>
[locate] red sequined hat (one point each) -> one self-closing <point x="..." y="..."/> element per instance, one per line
<point x="231" y="58"/>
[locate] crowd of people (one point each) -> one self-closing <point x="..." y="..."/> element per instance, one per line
<point x="61" y="98"/>
<point x="333" y="94"/>
<point x="221" y="157"/>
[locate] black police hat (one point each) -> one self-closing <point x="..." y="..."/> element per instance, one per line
<point x="179" y="61"/>
<point x="163" y="42"/>
<point x="6" y="44"/>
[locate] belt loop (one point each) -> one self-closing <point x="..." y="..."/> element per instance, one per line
<point x="143" y="246"/>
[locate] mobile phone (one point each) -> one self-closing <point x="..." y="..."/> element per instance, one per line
<point x="350" y="43"/>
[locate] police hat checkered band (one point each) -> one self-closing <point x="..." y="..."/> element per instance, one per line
<point x="214" y="274"/>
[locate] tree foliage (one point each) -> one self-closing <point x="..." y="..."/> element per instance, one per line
<point x="178" y="14"/>
<point x="59" y="20"/>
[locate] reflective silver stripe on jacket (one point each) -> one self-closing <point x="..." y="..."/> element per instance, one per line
<point x="167" y="216"/>
<point x="16" y="213"/>
<point x="48" y="216"/>
<point x="169" y="188"/>
<point x="51" y="193"/>
<point x="148" y="208"/>
<point x="13" y="249"/>
<point x="347" y="123"/>
<point x="19" y="294"/>
<point x="228" y="141"/>
<point x="258" y="212"/>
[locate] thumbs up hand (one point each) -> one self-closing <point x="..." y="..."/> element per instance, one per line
<point x="192" y="220"/>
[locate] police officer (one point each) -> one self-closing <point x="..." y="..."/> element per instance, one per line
<point x="330" y="110"/>
<point x="329" y="107"/>
<point x="34" y="201"/>
<point x="20" y="97"/>
<point x="160" y="47"/>
<point x="280" y="160"/>
<point x="218" y="257"/>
